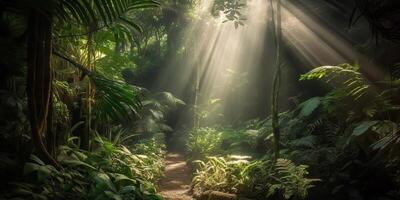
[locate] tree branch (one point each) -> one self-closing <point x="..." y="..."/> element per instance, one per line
<point x="73" y="62"/>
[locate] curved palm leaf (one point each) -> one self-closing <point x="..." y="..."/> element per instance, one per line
<point x="343" y="76"/>
<point x="101" y="12"/>
<point x="94" y="13"/>
<point x="116" y="100"/>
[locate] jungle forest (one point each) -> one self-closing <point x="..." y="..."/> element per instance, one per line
<point x="200" y="99"/>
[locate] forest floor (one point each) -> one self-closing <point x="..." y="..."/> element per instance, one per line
<point x="176" y="182"/>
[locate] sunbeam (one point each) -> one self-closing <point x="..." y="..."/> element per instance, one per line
<point x="218" y="51"/>
<point x="200" y="99"/>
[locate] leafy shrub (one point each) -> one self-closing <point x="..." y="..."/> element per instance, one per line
<point x="284" y="179"/>
<point x="219" y="174"/>
<point x="107" y="172"/>
<point x="155" y="107"/>
<point x="203" y="142"/>
<point x="351" y="136"/>
<point x="208" y="141"/>
<point x="259" y="179"/>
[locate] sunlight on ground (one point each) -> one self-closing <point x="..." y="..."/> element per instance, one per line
<point x="175" y="166"/>
<point x="176" y="183"/>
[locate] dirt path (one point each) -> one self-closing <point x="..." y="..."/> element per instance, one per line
<point x="176" y="183"/>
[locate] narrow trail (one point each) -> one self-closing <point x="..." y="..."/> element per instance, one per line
<point x="176" y="182"/>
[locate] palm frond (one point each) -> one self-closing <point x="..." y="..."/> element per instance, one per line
<point x="345" y="77"/>
<point x="116" y="100"/>
<point x="96" y="12"/>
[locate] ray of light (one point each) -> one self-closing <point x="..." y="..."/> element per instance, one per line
<point x="220" y="53"/>
<point x="214" y="47"/>
<point x="318" y="44"/>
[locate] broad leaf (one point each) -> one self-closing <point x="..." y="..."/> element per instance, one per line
<point x="363" y="127"/>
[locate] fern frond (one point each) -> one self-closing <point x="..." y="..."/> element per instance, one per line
<point x="311" y="127"/>
<point x="342" y="77"/>
<point x="292" y="179"/>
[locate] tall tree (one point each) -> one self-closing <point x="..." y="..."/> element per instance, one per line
<point x="39" y="78"/>
<point x="39" y="47"/>
<point x="277" y="27"/>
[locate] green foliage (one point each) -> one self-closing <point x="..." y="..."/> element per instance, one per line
<point x="108" y="172"/>
<point x="385" y="133"/>
<point x="209" y="141"/>
<point x="155" y="108"/>
<point x="341" y="135"/>
<point x="292" y="180"/>
<point x="351" y="93"/>
<point x="308" y="107"/>
<point x="283" y="179"/>
<point x="98" y="12"/>
<point x="232" y="10"/>
<point x="210" y="112"/>
<point x="351" y="130"/>
<point x="219" y="174"/>
<point x="362" y="127"/>
<point x="259" y="179"/>
<point x="345" y="77"/>
<point x="13" y="119"/>
<point x="116" y="100"/>
<point x="203" y="142"/>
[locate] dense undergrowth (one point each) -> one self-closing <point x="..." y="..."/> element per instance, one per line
<point x="123" y="163"/>
<point x="110" y="171"/>
<point x="343" y="145"/>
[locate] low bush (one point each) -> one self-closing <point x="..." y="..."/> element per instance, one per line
<point x="259" y="179"/>
<point x="108" y="172"/>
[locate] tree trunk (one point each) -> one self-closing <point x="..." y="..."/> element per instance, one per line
<point x="277" y="77"/>
<point x="50" y="134"/>
<point x="39" y="79"/>
<point x="196" y="107"/>
<point x="90" y="92"/>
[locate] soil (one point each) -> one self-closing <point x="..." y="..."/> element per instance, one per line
<point x="176" y="182"/>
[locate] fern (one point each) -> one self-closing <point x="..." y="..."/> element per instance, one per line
<point x="395" y="71"/>
<point x="344" y="77"/>
<point x="265" y="179"/>
<point x="388" y="132"/>
<point x="311" y="127"/>
<point x="291" y="180"/>
<point x="352" y="97"/>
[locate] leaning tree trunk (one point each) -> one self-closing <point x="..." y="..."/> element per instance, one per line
<point x="39" y="79"/>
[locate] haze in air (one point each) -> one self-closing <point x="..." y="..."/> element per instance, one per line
<point x="199" y="99"/>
